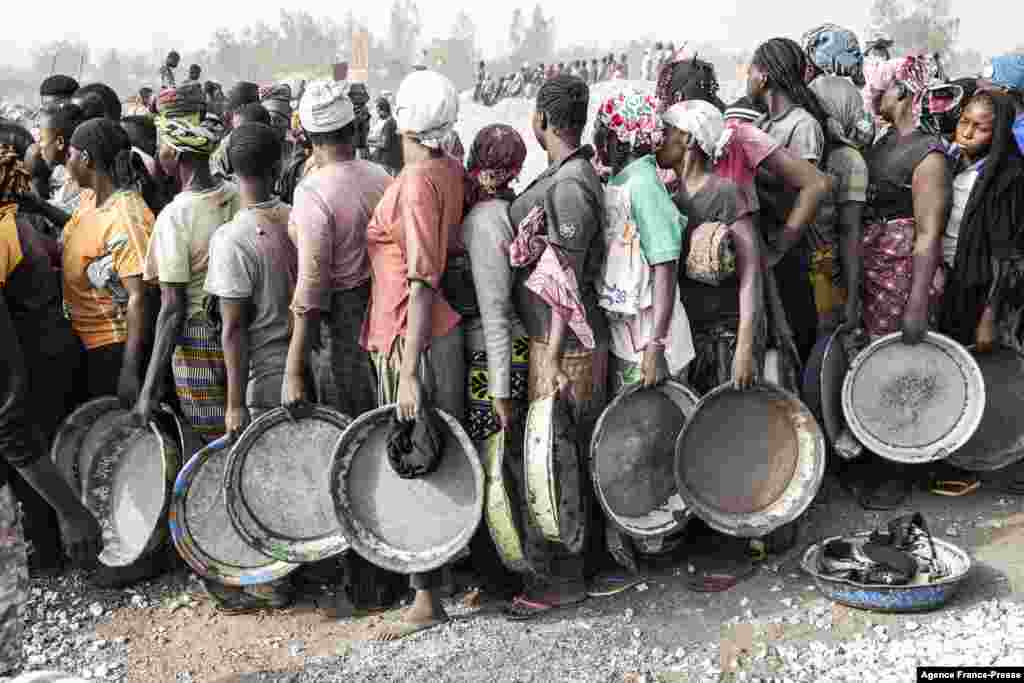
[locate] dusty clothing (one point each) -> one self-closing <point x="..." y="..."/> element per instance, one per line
<point x="352" y="379"/>
<point x="201" y="377"/>
<point x="747" y="149"/>
<point x="963" y="183"/>
<point x="386" y="145"/>
<point x="801" y="134"/>
<point x="14" y="583"/>
<point x="414" y="229"/>
<point x="253" y="259"/>
<point x="179" y="250"/>
<point x="103" y="246"/>
<point x="707" y="305"/>
<point x="573" y="201"/>
<point x="486" y="229"/>
<point x="333" y="206"/>
<point x="889" y="231"/>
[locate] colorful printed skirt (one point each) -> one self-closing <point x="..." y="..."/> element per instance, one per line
<point x="888" y="253"/>
<point x="13" y="583"/>
<point x="481" y="420"/>
<point x="201" y="378"/>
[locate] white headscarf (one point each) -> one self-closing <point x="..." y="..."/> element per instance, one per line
<point x="325" y="107"/>
<point x="704" y="122"/>
<point x="426" y="107"/>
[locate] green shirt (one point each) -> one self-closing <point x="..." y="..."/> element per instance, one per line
<point x="656" y="216"/>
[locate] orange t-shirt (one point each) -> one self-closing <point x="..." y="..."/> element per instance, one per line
<point x="413" y="230"/>
<point x="10" y="246"/>
<point x="119" y="229"/>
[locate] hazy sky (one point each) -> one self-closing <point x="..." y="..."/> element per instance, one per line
<point x="742" y="23"/>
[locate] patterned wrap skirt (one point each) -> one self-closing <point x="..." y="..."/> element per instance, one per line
<point x="888" y="253"/>
<point x="481" y="420"/>
<point x="201" y="378"/>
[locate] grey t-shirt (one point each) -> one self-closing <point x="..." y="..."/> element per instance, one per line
<point x="252" y="258"/>
<point x="801" y="134"/>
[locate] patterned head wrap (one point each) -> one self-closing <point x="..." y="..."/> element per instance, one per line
<point x="184" y="136"/>
<point x="14" y="177"/>
<point x="496" y="157"/>
<point x="632" y="117"/>
<point x="426" y="107"/>
<point x="1008" y="71"/>
<point x="847" y="123"/>
<point x="187" y="100"/>
<point x="452" y="146"/>
<point x="835" y="51"/>
<point x="704" y="122"/>
<point x="914" y="71"/>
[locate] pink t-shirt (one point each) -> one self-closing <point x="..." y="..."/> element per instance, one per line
<point x="747" y="149"/>
<point x="331" y="210"/>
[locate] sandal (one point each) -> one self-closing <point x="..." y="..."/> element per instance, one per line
<point x="953" y="488"/>
<point x="523" y="609"/>
<point x="607" y="585"/>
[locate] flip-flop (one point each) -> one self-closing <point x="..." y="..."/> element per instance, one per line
<point x="605" y="586"/>
<point x="953" y="488"/>
<point x="523" y="609"/>
<point x="718" y="581"/>
<point x="389" y="633"/>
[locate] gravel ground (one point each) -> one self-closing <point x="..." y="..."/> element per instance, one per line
<point x="774" y="626"/>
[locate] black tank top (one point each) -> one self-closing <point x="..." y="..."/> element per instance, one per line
<point x="891" y="164"/>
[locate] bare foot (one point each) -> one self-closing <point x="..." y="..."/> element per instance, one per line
<point x="426" y="613"/>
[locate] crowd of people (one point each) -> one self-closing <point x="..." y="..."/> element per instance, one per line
<point x="206" y="252"/>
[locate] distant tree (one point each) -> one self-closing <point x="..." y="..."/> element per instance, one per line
<point x="917" y="24"/>
<point x="404" y="29"/>
<point x="61" y="56"/>
<point x="516" y="30"/>
<point x="111" y="71"/>
<point x="539" y="39"/>
<point x="464" y="29"/>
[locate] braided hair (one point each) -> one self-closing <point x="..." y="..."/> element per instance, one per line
<point x="690" y="79"/>
<point x="101" y="100"/>
<point x="109" y="146"/>
<point x="785" y="63"/>
<point x="564" y="100"/>
<point x="255" y="149"/>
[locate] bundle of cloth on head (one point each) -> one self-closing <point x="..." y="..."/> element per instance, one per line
<point x="916" y="72"/>
<point x="183" y="135"/>
<point x="325" y="107"/>
<point x="834" y="51"/>
<point x="496" y="158"/>
<point x="426" y="108"/>
<point x="847" y="123"/>
<point x="632" y="117"/>
<point x="241" y="94"/>
<point x="277" y="99"/>
<point x="704" y="123"/>
<point x="1008" y="72"/>
<point x="685" y="77"/>
<point x="187" y="101"/>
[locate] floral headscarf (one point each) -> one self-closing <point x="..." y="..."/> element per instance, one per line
<point x="848" y="123"/>
<point x="14" y="177"/>
<point x="632" y="117"/>
<point x="496" y="157"/>
<point x="183" y="136"/>
<point x="835" y="51"/>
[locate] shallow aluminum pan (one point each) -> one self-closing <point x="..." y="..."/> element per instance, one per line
<point x="999" y="441"/>
<point x="201" y="528"/>
<point x="554" y="477"/>
<point x="606" y="449"/>
<point x="277" y="484"/>
<point x="73" y="438"/>
<point x="914" y="404"/>
<point x="503" y="508"/>
<point x="128" y="489"/>
<point x="405" y="525"/>
<point x="748" y="462"/>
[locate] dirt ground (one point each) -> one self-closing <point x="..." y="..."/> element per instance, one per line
<point x="185" y="641"/>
